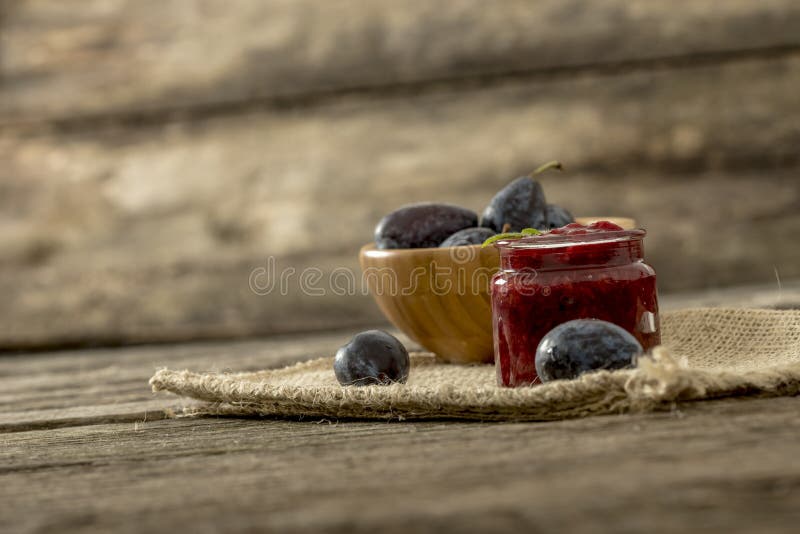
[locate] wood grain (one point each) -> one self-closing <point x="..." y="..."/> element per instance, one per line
<point x="719" y="466"/>
<point x="89" y="386"/>
<point x="151" y="233"/>
<point x="127" y="56"/>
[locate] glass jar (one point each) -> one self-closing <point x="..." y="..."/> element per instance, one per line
<point x="552" y="278"/>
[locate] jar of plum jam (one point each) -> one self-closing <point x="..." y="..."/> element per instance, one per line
<point x="574" y="272"/>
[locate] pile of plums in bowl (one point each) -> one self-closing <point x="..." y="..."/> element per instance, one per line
<point x="521" y="204"/>
<point x="430" y="276"/>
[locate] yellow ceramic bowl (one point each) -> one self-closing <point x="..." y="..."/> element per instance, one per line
<point x="440" y="296"/>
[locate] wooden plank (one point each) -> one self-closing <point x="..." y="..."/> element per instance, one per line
<point x="720" y="466"/>
<point x="118" y="412"/>
<point x="70" y="388"/>
<point x="60" y="60"/>
<point x="153" y="233"/>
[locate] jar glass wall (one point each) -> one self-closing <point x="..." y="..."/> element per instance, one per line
<point x="549" y="279"/>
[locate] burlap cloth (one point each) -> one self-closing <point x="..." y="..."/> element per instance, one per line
<point x="707" y="354"/>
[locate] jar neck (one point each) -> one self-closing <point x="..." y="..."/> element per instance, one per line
<point x="572" y="256"/>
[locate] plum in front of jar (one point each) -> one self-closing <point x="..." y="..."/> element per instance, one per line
<point x="584" y="345"/>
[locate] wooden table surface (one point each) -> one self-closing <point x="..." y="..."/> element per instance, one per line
<point x="86" y="447"/>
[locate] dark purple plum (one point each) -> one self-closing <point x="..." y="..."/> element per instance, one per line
<point x="584" y="345"/>
<point x="371" y="357"/>
<point x="557" y="217"/>
<point x="422" y="225"/>
<point x="468" y="236"/>
<point x="520" y="204"/>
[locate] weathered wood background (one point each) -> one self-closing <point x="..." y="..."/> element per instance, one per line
<point x="154" y="154"/>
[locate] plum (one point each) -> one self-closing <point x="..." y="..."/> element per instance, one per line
<point x="520" y="204"/>
<point x="371" y="357"/>
<point x="422" y="225"/>
<point x="557" y="217"/>
<point x="582" y="345"/>
<point x="468" y="236"/>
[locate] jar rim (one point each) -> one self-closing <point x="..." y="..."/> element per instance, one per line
<point x="548" y="240"/>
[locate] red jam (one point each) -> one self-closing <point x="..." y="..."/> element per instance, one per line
<point x="574" y="272"/>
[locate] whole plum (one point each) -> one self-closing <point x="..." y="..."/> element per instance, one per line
<point x="371" y="357"/>
<point x="520" y="204"/>
<point x="557" y="217"/>
<point x="584" y="345"/>
<point x="422" y="225"/>
<point x="468" y="236"/>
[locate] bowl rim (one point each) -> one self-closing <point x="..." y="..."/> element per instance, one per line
<point x="370" y="250"/>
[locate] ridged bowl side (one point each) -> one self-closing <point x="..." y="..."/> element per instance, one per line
<point x="439" y="297"/>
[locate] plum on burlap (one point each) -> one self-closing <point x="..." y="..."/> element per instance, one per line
<point x="706" y="354"/>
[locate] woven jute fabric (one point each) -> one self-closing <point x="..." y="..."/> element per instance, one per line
<point x="706" y="354"/>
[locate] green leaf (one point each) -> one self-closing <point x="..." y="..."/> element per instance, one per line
<point x="511" y="235"/>
<point x="498" y="237"/>
<point x="530" y="231"/>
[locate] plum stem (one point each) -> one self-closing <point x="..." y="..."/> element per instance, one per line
<point x="546" y="167"/>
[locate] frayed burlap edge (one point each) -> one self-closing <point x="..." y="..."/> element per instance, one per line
<point x="656" y="384"/>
